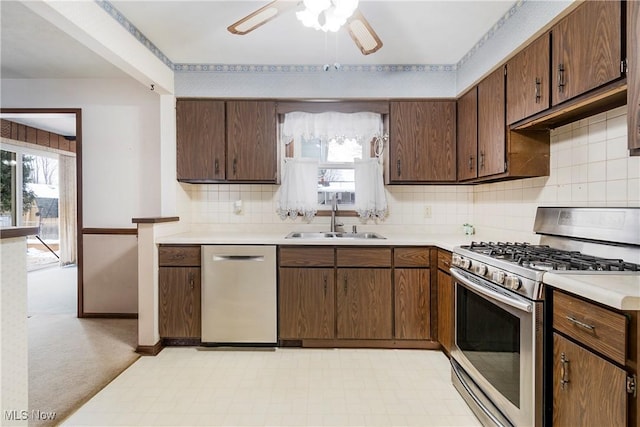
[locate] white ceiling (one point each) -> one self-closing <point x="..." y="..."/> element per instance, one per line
<point x="413" y="32"/>
<point x="426" y="32"/>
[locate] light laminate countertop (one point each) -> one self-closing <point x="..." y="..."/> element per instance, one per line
<point x="621" y="291"/>
<point x="443" y="241"/>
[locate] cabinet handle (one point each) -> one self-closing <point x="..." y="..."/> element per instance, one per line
<point x="217" y="166"/>
<point x="325" y="285"/>
<point x="399" y="170"/>
<point x="345" y="283"/>
<point x="581" y="324"/>
<point x="638" y="120"/>
<point x="561" y="83"/>
<point x="235" y="165"/>
<point x="564" y="371"/>
<point x="482" y="160"/>
<point x="471" y="163"/>
<point x="191" y="281"/>
<point x="538" y="83"/>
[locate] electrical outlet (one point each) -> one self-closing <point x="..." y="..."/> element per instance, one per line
<point x="427" y="211"/>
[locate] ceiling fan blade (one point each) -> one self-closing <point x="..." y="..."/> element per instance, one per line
<point x="362" y="33"/>
<point x="261" y="16"/>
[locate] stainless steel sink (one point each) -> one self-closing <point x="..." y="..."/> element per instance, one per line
<point x="330" y="235"/>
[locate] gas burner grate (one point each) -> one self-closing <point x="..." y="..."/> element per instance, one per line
<point x="546" y="258"/>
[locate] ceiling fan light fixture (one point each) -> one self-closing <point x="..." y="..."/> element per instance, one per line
<point x="326" y="15"/>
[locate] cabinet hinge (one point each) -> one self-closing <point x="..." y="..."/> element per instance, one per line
<point x="623" y="66"/>
<point x="632" y="385"/>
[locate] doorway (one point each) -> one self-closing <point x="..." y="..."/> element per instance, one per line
<point x="41" y="159"/>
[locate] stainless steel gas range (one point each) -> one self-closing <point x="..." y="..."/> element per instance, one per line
<point x="497" y="359"/>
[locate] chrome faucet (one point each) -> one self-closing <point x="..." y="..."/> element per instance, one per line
<point x="334" y="209"/>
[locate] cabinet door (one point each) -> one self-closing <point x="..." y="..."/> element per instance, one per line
<point x="364" y="303"/>
<point x="445" y="311"/>
<point x="491" y="124"/>
<point x="306" y="303"/>
<point x="528" y="80"/>
<point x="468" y="135"/>
<point x="586" y="49"/>
<point x="422" y="141"/>
<point x="179" y="302"/>
<point x="633" y="74"/>
<point x="200" y="140"/>
<point x="587" y="390"/>
<point x="251" y="141"/>
<point x="412" y="298"/>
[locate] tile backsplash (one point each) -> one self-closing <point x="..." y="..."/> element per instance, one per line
<point x="590" y="166"/>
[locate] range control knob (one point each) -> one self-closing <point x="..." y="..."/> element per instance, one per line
<point x="480" y="269"/>
<point x="456" y="259"/>
<point x="512" y="282"/>
<point x="465" y="263"/>
<point x="498" y="276"/>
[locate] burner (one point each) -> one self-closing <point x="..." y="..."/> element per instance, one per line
<point x="545" y="258"/>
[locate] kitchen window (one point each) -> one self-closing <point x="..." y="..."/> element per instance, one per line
<point x="335" y="140"/>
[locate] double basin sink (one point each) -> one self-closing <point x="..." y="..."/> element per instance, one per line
<point x="333" y="235"/>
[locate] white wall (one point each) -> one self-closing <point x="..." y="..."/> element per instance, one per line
<point x="120" y="142"/>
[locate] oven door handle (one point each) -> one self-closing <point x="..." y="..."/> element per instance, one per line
<point x="511" y="302"/>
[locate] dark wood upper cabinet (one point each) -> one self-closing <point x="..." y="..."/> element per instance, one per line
<point x="528" y="80"/>
<point x="491" y="124"/>
<point x="586" y="49"/>
<point x="633" y="75"/>
<point x="422" y="145"/>
<point x="252" y="146"/>
<point x="468" y="135"/>
<point x="200" y="140"/>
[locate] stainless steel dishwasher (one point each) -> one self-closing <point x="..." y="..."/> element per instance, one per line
<point x="239" y="295"/>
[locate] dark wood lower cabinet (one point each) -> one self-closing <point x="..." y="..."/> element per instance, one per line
<point x="179" y="302"/>
<point x="412" y="294"/>
<point x="306" y="303"/>
<point x="364" y="303"/>
<point x="587" y="389"/>
<point x="446" y="302"/>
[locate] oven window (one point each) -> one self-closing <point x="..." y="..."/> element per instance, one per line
<point x="489" y="337"/>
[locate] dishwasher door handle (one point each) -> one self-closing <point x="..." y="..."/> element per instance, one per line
<point x="238" y="258"/>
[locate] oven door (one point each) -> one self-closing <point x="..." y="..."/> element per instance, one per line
<point x="495" y="346"/>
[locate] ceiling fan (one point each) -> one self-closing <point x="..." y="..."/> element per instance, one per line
<point x="326" y="15"/>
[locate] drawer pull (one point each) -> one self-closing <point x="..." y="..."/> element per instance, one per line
<point x="581" y="324"/>
<point x="537" y="90"/>
<point x="217" y="166"/>
<point x="564" y="371"/>
<point x="561" y="83"/>
<point x="345" y="284"/>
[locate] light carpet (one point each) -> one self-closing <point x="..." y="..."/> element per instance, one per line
<point x="70" y="359"/>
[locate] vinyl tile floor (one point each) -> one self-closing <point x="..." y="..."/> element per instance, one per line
<point x="187" y="386"/>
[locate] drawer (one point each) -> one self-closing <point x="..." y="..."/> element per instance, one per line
<point x="299" y="256"/>
<point x="364" y="257"/>
<point x="171" y="256"/>
<point x="444" y="260"/>
<point x="411" y="257"/>
<point x="602" y="330"/>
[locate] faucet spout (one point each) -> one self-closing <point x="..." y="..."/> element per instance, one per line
<point x="334" y="208"/>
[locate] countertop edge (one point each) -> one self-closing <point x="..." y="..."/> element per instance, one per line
<point x="12" y="232"/>
<point x="625" y="295"/>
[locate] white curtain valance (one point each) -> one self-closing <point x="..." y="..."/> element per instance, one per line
<point x="362" y="126"/>
<point x="299" y="189"/>
<point x="371" y="201"/>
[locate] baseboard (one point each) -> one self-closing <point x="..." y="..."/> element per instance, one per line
<point x="149" y="350"/>
<point x="372" y="343"/>
<point x="110" y="315"/>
